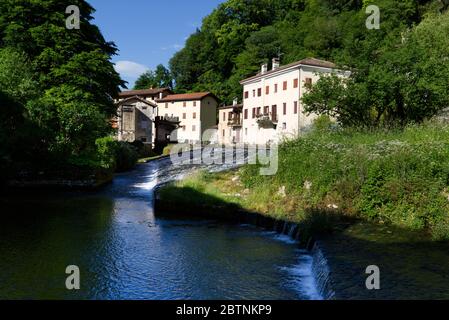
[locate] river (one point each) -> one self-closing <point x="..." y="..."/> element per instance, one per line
<point x="124" y="252"/>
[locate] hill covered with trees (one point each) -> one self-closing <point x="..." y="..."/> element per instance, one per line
<point x="240" y="35"/>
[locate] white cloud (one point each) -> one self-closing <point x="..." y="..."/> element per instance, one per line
<point x="130" y="69"/>
<point x="172" y="47"/>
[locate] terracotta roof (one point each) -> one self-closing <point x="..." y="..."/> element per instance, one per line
<point x="151" y="104"/>
<point x="186" y="97"/>
<point x="307" y="62"/>
<point x="144" y="92"/>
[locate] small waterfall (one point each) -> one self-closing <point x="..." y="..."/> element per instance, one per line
<point x="321" y="273"/>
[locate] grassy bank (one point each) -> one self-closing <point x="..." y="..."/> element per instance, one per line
<point x="390" y="177"/>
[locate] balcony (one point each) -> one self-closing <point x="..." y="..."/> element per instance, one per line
<point x="235" y="122"/>
<point x="267" y="120"/>
<point x="168" y="119"/>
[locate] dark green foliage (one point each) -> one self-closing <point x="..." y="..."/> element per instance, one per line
<point x="240" y="35"/>
<point x="116" y="155"/>
<point x="62" y="81"/>
<point x="160" y="78"/>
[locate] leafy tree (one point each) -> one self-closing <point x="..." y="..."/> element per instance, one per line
<point x="64" y="78"/>
<point x="160" y="78"/>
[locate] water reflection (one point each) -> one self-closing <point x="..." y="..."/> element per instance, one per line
<point x="124" y="252"/>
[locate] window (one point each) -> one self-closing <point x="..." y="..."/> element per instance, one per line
<point x="193" y="128"/>
<point x="194" y="103"/>
<point x="275" y="88"/>
<point x="246" y="131"/>
<point x="295" y="83"/>
<point x="184" y="128"/>
<point x="285" y="108"/>
<point x="144" y="108"/>
<point x="296" y="107"/>
<point x="184" y="104"/>
<point x="166" y="105"/>
<point x="254" y="113"/>
<point x="254" y="93"/>
<point x="284" y="126"/>
<point x="274" y="112"/>
<point x="259" y="110"/>
<point x="259" y="92"/>
<point x="230" y="116"/>
<point x="224" y="116"/>
<point x="267" y="90"/>
<point x="184" y="116"/>
<point x="246" y="114"/>
<point x="246" y="94"/>
<point x="308" y="81"/>
<point x="266" y="110"/>
<point x="224" y="133"/>
<point x="194" y="115"/>
<point x="285" y="85"/>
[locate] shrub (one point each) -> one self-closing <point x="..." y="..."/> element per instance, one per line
<point x="116" y="155"/>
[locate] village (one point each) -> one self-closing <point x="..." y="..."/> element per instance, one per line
<point x="271" y="109"/>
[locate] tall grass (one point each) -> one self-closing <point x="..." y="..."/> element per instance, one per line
<point x="396" y="176"/>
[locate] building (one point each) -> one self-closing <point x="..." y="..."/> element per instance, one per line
<point x="135" y="119"/>
<point x="197" y="112"/>
<point x="272" y="108"/>
<point x="137" y="113"/>
<point x="230" y="124"/>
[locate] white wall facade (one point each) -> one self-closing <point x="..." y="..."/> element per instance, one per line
<point x="293" y="121"/>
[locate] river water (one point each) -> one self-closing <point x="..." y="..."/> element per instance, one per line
<point x="124" y="252"/>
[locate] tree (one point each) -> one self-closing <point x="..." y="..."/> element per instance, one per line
<point x="72" y="74"/>
<point x="160" y="78"/>
<point x="406" y="83"/>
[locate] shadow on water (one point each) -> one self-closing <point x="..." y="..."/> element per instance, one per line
<point x="412" y="265"/>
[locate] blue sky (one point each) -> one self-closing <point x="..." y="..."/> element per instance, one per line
<point x="148" y="32"/>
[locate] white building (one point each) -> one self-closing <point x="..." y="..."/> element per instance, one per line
<point x="197" y="112"/>
<point x="230" y="124"/>
<point x="272" y="108"/>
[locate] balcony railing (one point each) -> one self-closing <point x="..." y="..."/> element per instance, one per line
<point x="235" y="122"/>
<point x="167" y="119"/>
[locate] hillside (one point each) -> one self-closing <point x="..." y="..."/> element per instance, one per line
<point x="240" y="35"/>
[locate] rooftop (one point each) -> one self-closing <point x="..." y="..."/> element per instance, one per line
<point x="186" y="97"/>
<point x="306" y="62"/>
<point x="144" y="92"/>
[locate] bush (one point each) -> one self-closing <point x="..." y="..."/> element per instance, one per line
<point x="116" y="155"/>
<point x="399" y="176"/>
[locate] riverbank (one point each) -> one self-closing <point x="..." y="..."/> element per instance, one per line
<point x="371" y="198"/>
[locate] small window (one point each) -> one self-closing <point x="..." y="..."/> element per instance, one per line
<point x="267" y="90"/>
<point x="285" y="85"/>
<point x="194" y="115"/>
<point x="284" y="126"/>
<point x="296" y="107"/>
<point x="194" y="103"/>
<point x="184" y="116"/>
<point x="295" y="83"/>
<point x="193" y="128"/>
<point x="224" y="132"/>
<point x="184" y="104"/>
<point x="254" y="113"/>
<point x="259" y="110"/>
<point x="308" y="81"/>
<point x="254" y="93"/>
<point x="144" y="108"/>
<point x="246" y="94"/>
<point x="259" y="92"/>
<point x="284" y="108"/>
<point x="275" y="88"/>
<point x="246" y="131"/>
<point x="166" y="105"/>
<point x="246" y="113"/>
<point x="224" y="116"/>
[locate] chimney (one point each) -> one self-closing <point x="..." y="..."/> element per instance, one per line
<point x="235" y="102"/>
<point x="161" y="95"/>
<point x="276" y="63"/>
<point x="264" y="68"/>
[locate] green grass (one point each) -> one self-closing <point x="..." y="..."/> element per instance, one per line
<point x="398" y="177"/>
